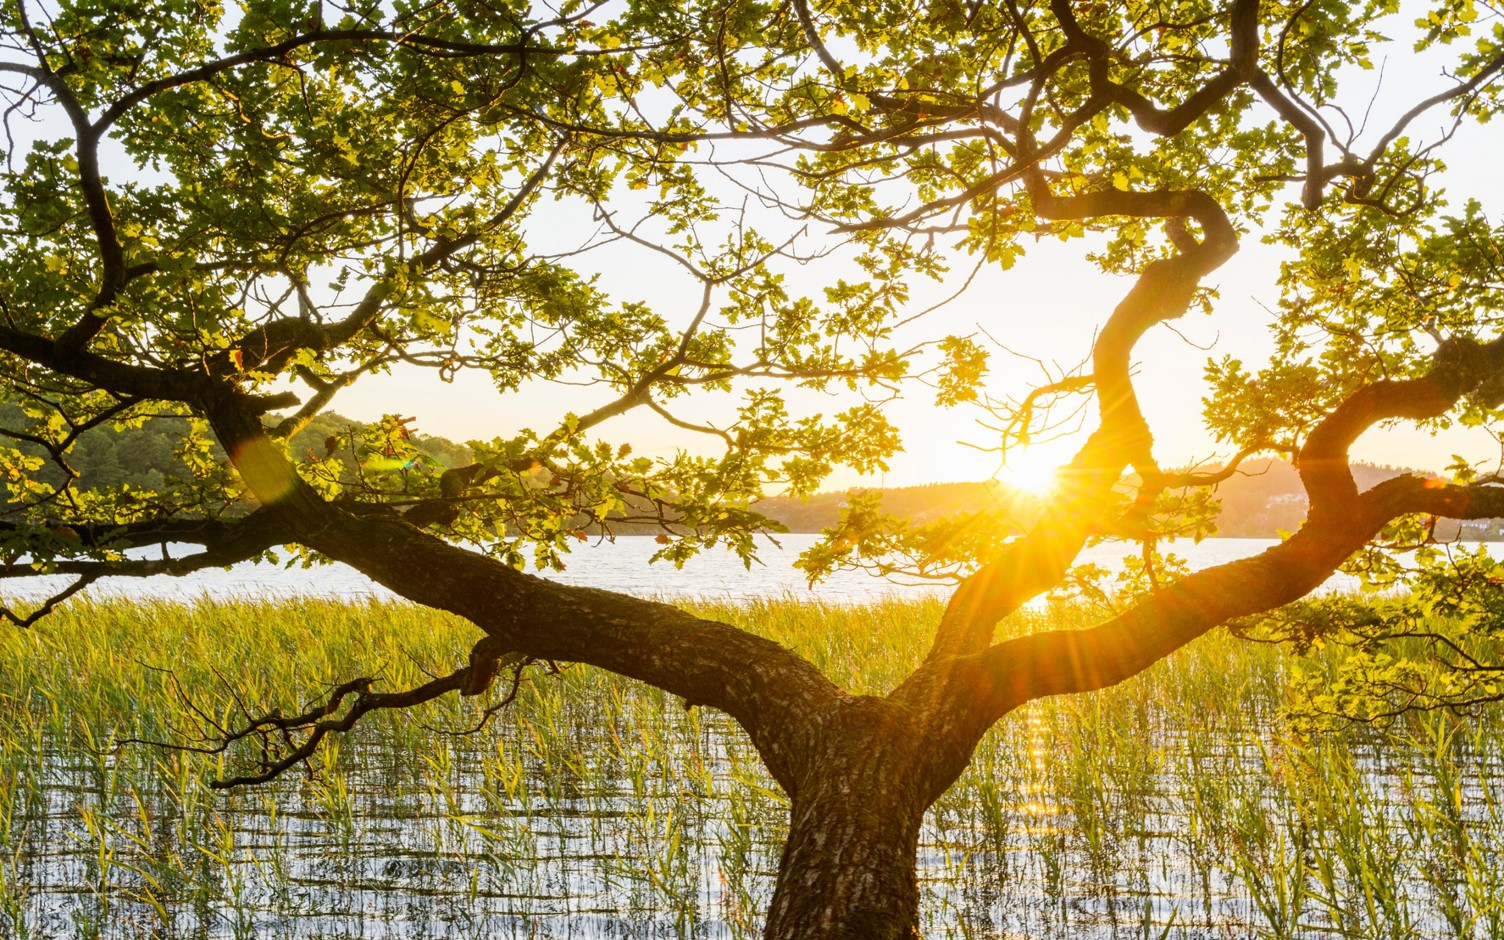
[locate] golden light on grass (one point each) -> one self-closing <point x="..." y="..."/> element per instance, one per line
<point x="1188" y="764"/>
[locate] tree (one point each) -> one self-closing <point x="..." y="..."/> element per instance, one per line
<point x="204" y="212"/>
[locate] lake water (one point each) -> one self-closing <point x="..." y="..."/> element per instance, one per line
<point x="1173" y="806"/>
<point x="622" y="566"/>
<point x="1176" y="805"/>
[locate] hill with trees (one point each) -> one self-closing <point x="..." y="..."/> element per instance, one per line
<point x="147" y="457"/>
<point x="1264" y="500"/>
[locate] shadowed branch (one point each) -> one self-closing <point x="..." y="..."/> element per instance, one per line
<point x="287" y="741"/>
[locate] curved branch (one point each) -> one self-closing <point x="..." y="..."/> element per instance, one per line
<point x="1167" y="122"/>
<point x="1163" y="291"/>
<point x="1341" y="522"/>
<point x="1459" y="367"/>
<point x="1404" y="495"/>
<point x="812" y="36"/>
<point x="1465" y="88"/>
<point x="1315" y="136"/>
<point x="56" y="449"/>
<point x="486" y="660"/>
<point x="112" y="376"/>
<point x="49" y="605"/>
<point x="323" y="393"/>
<point x="114" y="274"/>
<point x="1060" y="662"/>
<point x="1063" y="661"/>
<point x="319" y="724"/>
<point x="771" y="691"/>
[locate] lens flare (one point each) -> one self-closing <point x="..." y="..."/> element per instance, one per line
<point x="265" y="470"/>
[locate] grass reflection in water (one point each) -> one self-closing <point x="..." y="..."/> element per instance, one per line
<point x="1173" y="805"/>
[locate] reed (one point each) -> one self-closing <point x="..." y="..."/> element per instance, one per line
<point x="1177" y="804"/>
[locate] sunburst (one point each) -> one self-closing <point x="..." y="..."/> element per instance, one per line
<point x="1032" y="471"/>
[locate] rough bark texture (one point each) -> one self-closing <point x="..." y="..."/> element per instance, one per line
<point x="848" y="868"/>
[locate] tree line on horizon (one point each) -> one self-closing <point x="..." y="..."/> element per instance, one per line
<point x="1263" y="501"/>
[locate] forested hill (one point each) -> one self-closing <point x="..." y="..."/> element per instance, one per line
<point x="1259" y="503"/>
<point x="143" y="457"/>
<point x="923" y="503"/>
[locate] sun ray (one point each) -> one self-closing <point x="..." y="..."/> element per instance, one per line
<point x="1032" y="471"/>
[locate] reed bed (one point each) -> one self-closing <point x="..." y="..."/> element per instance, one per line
<point x="1175" y="805"/>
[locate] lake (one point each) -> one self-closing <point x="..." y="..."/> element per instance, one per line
<point x="1179" y="804"/>
<point x="621" y="565"/>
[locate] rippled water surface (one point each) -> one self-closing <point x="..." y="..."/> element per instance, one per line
<point x="621" y="565"/>
<point x="1179" y="804"/>
<point x="599" y="809"/>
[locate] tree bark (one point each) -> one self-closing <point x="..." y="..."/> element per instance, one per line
<point x="849" y="867"/>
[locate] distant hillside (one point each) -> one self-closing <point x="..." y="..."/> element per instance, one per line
<point x="1266" y="499"/>
<point x="143" y="457"/>
<point x="923" y="503"/>
<point x="1259" y="502"/>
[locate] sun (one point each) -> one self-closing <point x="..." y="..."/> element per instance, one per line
<point x="1030" y="471"/>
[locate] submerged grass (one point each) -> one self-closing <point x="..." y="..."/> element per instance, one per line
<point x="1174" y="805"/>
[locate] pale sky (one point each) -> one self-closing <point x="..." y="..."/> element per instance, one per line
<point x="1047" y="307"/>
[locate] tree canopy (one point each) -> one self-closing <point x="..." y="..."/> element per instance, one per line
<point x="222" y="218"/>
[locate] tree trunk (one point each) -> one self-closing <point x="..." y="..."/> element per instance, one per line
<point x="848" y="868"/>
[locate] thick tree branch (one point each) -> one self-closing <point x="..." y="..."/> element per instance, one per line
<point x="226" y="543"/>
<point x="211" y="533"/>
<point x="1310" y="129"/>
<point x="1341" y="522"/>
<point x="113" y="273"/>
<point x="119" y="378"/>
<point x="769" y="690"/>
<point x="1067" y="661"/>
<point x="1166" y="122"/>
<point x="1459" y="367"/>
<point x="1163" y="291"/>
<point x="1063" y="661"/>
<point x="1405" y="495"/>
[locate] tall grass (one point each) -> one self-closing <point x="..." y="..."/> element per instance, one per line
<point x="1173" y="805"/>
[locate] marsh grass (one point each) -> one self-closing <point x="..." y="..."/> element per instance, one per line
<point x="1174" y="805"/>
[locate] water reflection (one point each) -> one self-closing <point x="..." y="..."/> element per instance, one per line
<point x="639" y="820"/>
<point x="618" y="566"/>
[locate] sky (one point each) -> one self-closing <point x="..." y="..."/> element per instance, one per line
<point x="1047" y="307"/>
